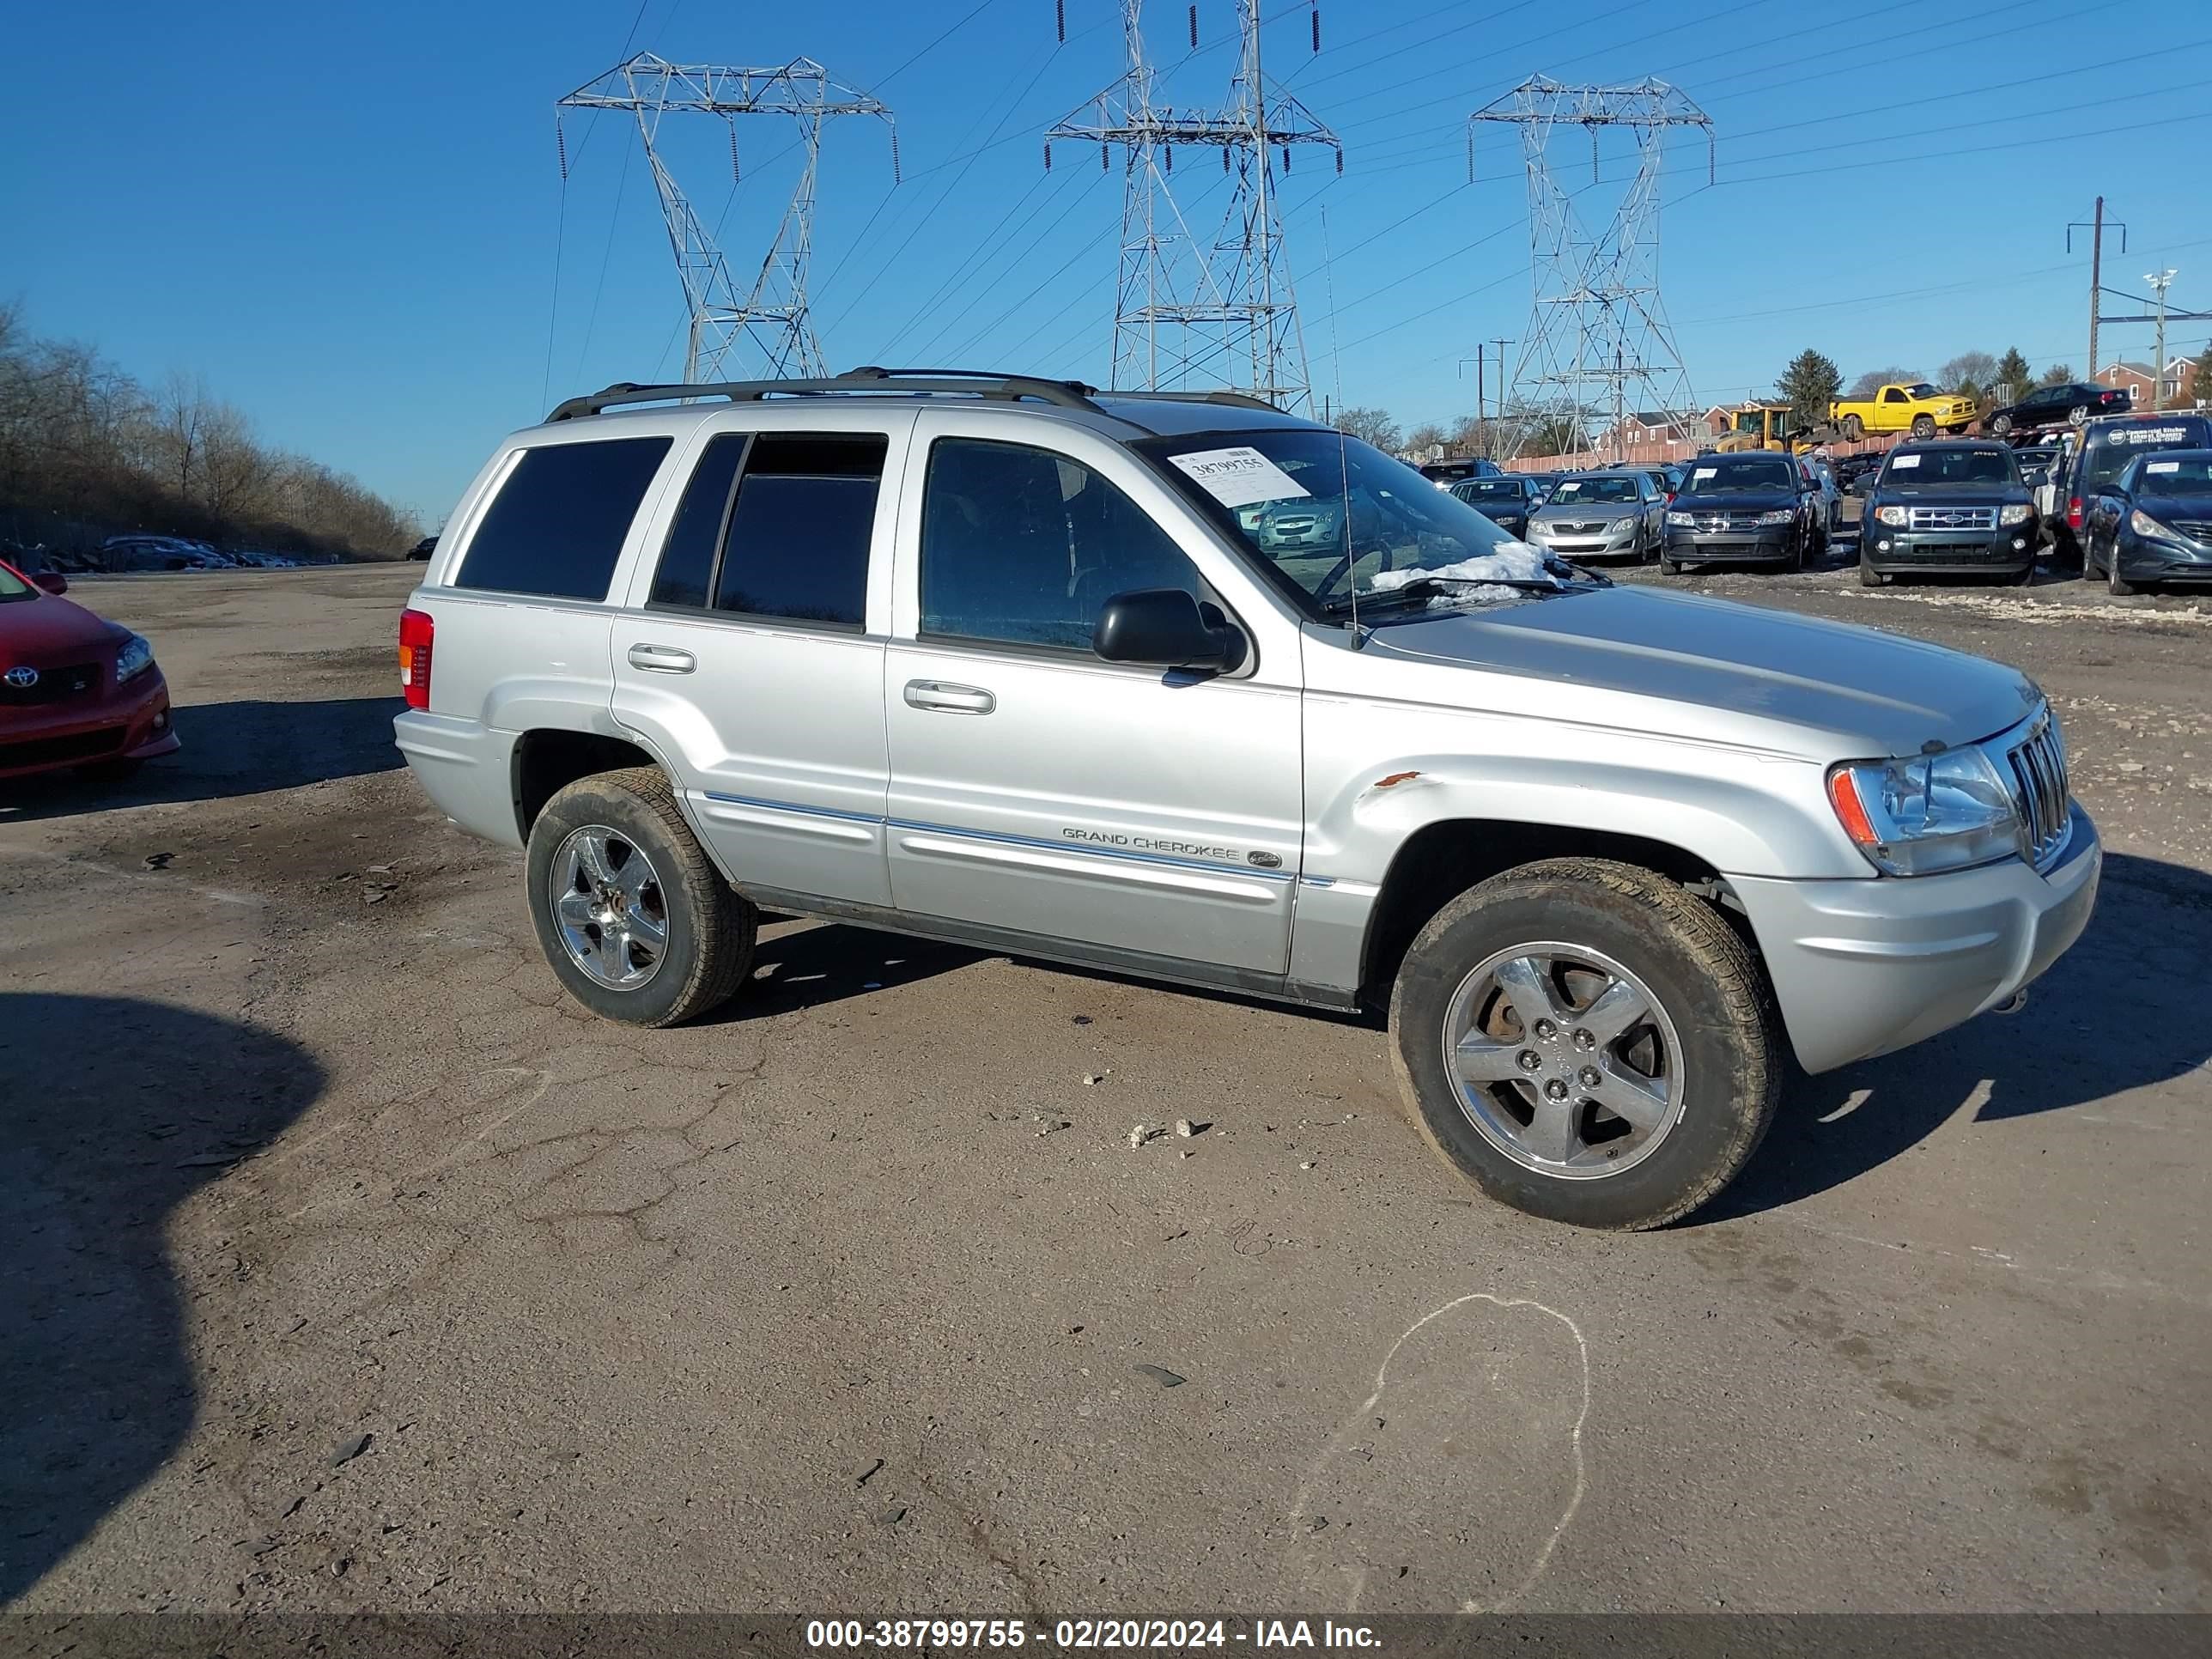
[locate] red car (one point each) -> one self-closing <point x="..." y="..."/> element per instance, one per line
<point x="74" y="689"/>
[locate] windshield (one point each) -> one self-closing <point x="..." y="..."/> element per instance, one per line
<point x="1711" y="477"/>
<point x="2106" y="454"/>
<point x="1576" y="492"/>
<point x="2184" y="475"/>
<point x="13" y="587"/>
<point x="1950" y="466"/>
<point x="1921" y="389"/>
<point x="1491" y="489"/>
<point x="1334" y="513"/>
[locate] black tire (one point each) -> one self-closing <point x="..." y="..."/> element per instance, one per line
<point x="1854" y="429"/>
<point x="1670" y="566"/>
<point x="1695" y="967"/>
<point x="2115" y="584"/>
<point x="710" y="928"/>
<point x="1868" y="576"/>
<point x="2024" y="577"/>
<point x="2078" y="416"/>
<point x="2000" y="425"/>
<point x="1923" y="426"/>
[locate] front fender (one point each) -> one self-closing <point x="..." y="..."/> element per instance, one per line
<point x="1740" y="814"/>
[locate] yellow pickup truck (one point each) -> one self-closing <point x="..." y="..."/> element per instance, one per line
<point x="1919" y="409"/>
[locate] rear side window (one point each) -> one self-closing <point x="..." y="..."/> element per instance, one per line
<point x="556" y="526"/>
<point x="2106" y="452"/>
<point x="777" y="524"/>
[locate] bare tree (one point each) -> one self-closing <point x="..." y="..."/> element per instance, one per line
<point x="1374" y="425"/>
<point x="1874" y="378"/>
<point x="1972" y="373"/>
<point x="1424" y="438"/>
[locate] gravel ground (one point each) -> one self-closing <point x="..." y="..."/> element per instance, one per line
<point x="349" y="1265"/>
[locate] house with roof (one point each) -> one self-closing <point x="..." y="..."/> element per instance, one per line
<point x="2138" y="380"/>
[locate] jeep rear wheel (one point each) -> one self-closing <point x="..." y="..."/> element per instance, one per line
<point x="633" y="916"/>
<point x="1586" y="1042"/>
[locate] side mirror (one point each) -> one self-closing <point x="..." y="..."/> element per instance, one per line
<point x="1164" y="628"/>
<point x="51" y="580"/>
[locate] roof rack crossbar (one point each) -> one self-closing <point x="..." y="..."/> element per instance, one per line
<point x="1232" y="399"/>
<point x="1067" y="394"/>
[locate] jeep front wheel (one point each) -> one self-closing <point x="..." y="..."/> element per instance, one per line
<point x="633" y="916"/>
<point x="1586" y="1042"/>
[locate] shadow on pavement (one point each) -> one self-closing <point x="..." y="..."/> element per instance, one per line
<point x="2123" y="1009"/>
<point x="241" y="748"/>
<point x="115" y="1111"/>
<point x="806" y="966"/>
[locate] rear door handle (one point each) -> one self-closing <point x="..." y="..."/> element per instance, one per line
<point x="949" y="699"/>
<point x="662" y="659"/>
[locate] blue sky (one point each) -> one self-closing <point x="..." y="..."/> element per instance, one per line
<point x="347" y="217"/>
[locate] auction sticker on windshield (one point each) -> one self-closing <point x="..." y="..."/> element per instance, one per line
<point x="1240" y="477"/>
<point x="1898" y="462"/>
<point x="2165" y="466"/>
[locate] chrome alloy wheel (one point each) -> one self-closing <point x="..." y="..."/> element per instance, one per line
<point x="609" y="907"/>
<point x="1563" y="1059"/>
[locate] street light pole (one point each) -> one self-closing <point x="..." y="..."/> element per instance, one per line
<point x="2159" y="282"/>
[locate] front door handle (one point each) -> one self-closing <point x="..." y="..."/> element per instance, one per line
<point x="662" y="659"/>
<point x="949" y="699"/>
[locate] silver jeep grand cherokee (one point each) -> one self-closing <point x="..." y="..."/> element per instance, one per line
<point x="1013" y="663"/>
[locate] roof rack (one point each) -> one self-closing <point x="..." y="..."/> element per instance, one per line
<point x="1066" y="394"/>
<point x="975" y="383"/>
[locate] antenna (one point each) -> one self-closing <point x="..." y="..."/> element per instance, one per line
<point x="1179" y="305"/>
<point x="1596" y="323"/>
<point x="772" y="316"/>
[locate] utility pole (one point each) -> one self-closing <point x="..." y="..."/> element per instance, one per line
<point x="2159" y="282"/>
<point x="773" y="314"/>
<point x="2096" y="229"/>
<point x="1182" y="307"/>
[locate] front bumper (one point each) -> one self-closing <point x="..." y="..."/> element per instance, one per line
<point x="2142" y="559"/>
<point x="2011" y="548"/>
<point x="1866" y="967"/>
<point x="1612" y="545"/>
<point x="129" y="722"/>
<point x="1767" y="544"/>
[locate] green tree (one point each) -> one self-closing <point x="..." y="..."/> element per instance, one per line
<point x="2200" y="383"/>
<point x="1810" y="383"/>
<point x="2013" y="375"/>
<point x="2057" y="375"/>
<point x="1374" y="425"/>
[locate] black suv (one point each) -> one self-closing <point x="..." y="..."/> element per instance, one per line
<point x="2055" y="405"/>
<point x="1950" y="507"/>
<point x="1759" y="505"/>
<point x="2106" y="448"/>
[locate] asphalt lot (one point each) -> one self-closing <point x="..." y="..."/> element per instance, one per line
<point x="345" y="1265"/>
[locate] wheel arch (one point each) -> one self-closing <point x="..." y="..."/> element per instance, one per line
<point x="547" y="759"/>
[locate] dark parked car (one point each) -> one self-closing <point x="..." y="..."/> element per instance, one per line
<point x="1756" y="506"/>
<point x="2055" y="406"/>
<point x="422" y="550"/>
<point x="2153" y="523"/>
<point x="1444" y="474"/>
<point x="1951" y="508"/>
<point x="1506" y="501"/>
<point x="2106" y="447"/>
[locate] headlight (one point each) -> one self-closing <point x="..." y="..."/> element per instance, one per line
<point x="1891" y="515"/>
<point x="2016" y="513"/>
<point x="136" y="657"/>
<point x="1619" y="525"/>
<point x="1780" y="515"/>
<point x="1539" y="527"/>
<point x="1931" y="812"/>
<point x="2144" y="525"/>
<point x="1681" y="522"/>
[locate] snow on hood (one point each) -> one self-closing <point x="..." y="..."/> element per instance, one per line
<point x="1509" y="561"/>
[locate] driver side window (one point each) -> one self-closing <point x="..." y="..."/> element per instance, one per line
<point x="1024" y="546"/>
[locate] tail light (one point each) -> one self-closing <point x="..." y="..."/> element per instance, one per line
<point x="416" y="629"/>
<point x="2074" y="513"/>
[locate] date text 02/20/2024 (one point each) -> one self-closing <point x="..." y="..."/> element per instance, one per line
<point x="938" y="1634"/>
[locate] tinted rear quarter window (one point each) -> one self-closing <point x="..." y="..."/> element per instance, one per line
<point x="801" y="528"/>
<point x="556" y="526"/>
<point x="2106" y="453"/>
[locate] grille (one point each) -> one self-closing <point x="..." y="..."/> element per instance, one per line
<point x="1720" y="521"/>
<point x="1954" y="518"/>
<point x="2197" y="529"/>
<point x="54" y="686"/>
<point x="1562" y="527"/>
<point x="57" y="752"/>
<point x="2038" y="775"/>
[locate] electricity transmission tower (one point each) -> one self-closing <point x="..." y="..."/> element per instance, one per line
<point x="1182" y="306"/>
<point x="1597" y="339"/>
<point x="771" y="316"/>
